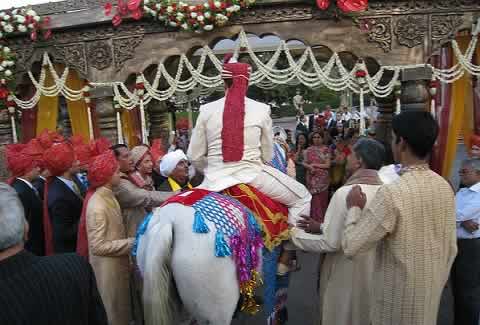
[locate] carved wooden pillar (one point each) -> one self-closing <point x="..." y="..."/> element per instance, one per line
<point x="5" y="128"/>
<point x="383" y="124"/>
<point x="64" y="118"/>
<point x="158" y="118"/>
<point x="106" y="116"/>
<point x="5" y="138"/>
<point x="415" y="95"/>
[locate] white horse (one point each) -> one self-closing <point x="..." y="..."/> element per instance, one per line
<point x="179" y="264"/>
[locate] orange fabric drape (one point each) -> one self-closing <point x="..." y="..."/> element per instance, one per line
<point x="77" y="110"/>
<point x="130" y="127"/>
<point x="47" y="113"/>
<point x="461" y="116"/>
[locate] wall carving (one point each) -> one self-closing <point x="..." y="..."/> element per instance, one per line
<point x="411" y="30"/>
<point x="99" y="54"/>
<point x="282" y="13"/>
<point x="124" y="49"/>
<point x="444" y="27"/>
<point x="379" y="31"/>
<point x="74" y="56"/>
<point x="410" y="6"/>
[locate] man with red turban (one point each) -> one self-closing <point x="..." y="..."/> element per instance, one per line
<point x="233" y="138"/>
<point x="103" y="238"/>
<point x="63" y="204"/>
<point x="24" y="167"/>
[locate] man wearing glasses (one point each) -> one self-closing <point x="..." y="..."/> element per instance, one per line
<point x="466" y="268"/>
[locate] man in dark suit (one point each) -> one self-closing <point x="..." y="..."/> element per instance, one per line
<point x="174" y="166"/>
<point x="39" y="182"/>
<point x="24" y="169"/>
<point x="64" y="199"/>
<point x="59" y="289"/>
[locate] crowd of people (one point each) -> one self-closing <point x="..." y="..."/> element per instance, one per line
<point x="388" y="232"/>
<point x="84" y="198"/>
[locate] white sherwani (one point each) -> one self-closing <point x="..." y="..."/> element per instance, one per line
<point x="205" y="152"/>
<point x="345" y="283"/>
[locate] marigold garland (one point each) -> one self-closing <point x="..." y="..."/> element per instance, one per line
<point x="18" y="20"/>
<point x="201" y="17"/>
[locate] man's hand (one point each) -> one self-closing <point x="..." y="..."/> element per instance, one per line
<point x="309" y="225"/>
<point x="356" y="198"/>
<point x="470" y="226"/>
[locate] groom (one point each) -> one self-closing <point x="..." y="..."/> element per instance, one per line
<point x="233" y="139"/>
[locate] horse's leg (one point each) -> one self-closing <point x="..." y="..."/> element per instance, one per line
<point x="207" y="284"/>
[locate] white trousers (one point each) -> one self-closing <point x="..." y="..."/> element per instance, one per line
<point x="286" y="190"/>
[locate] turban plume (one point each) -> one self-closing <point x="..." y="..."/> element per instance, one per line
<point x="100" y="146"/>
<point x="157" y="150"/>
<point x="170" y="162"/>
<point x="18" y="162"/>
<point x="59" y="158"/>
<point x="102" y="168"/>
<point x="182" y="124"/>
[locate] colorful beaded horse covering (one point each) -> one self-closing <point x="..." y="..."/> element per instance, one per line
<point x="237" y="234"/>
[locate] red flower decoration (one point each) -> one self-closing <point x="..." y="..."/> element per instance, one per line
<point x="117" y="20"/>
<point x="360" y="74"/>
<point x="3" y="93"/>
<point x="33" y="35"/>
<point x="140" y="85"/>
<point x="137" y="14"/>
<point x="133" y="5"/>
<point x="108" y="8"/>
<point x="47" y="34"/>
<point x="352" y="5"/>
<point x="434" y="84"/>
<point x="323" y="4"/>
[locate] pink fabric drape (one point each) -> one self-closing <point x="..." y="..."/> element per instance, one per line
<point x="443" y="106"/>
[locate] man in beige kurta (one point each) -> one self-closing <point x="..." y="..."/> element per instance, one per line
<point x="108" y="243"/>
<point x="345" y="283"/>
<point x="412" y="222"/>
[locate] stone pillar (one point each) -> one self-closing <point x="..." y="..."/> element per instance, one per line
<point x="106" y="117"/>
<point x="158" y="118"/>
<point x="415" y="95"/>
<point x="5" y="138"/>
<point x="383" y="124"/>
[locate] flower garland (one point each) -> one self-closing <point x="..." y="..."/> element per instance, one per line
<point x="201" y="17"/>
<point x="345" y="6"/>
<point x="20" y="20"/>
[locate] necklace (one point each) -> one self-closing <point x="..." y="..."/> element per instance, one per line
<point x="414" y="168"/>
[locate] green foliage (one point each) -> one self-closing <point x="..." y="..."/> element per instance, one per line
<point x="281" y="98"/>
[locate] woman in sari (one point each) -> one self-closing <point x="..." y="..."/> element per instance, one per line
<point x="301" y="143"/>
<point x="317" y="164"/>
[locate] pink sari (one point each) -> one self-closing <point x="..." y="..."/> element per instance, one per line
<point x="318" y="181"/>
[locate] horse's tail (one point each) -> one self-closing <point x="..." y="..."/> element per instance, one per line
<point x="158" y="287"/>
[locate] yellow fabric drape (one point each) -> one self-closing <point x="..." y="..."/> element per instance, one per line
<point x="128" y="128"/>
<point x="47" y="113"/>
<point x="77" y="110"/>
<point x="461" y="113"/>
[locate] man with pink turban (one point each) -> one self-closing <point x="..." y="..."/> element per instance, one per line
<point x="103" y="238"/>
<point x="24" y="168"/>
<point x="63" y="203"/>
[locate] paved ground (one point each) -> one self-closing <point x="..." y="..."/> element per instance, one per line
<point x="303" y="299"/>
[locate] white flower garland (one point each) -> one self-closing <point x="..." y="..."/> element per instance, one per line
<point x="266" y="75"/>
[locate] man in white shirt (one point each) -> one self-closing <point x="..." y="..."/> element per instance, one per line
<point x="466" y="269"/>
